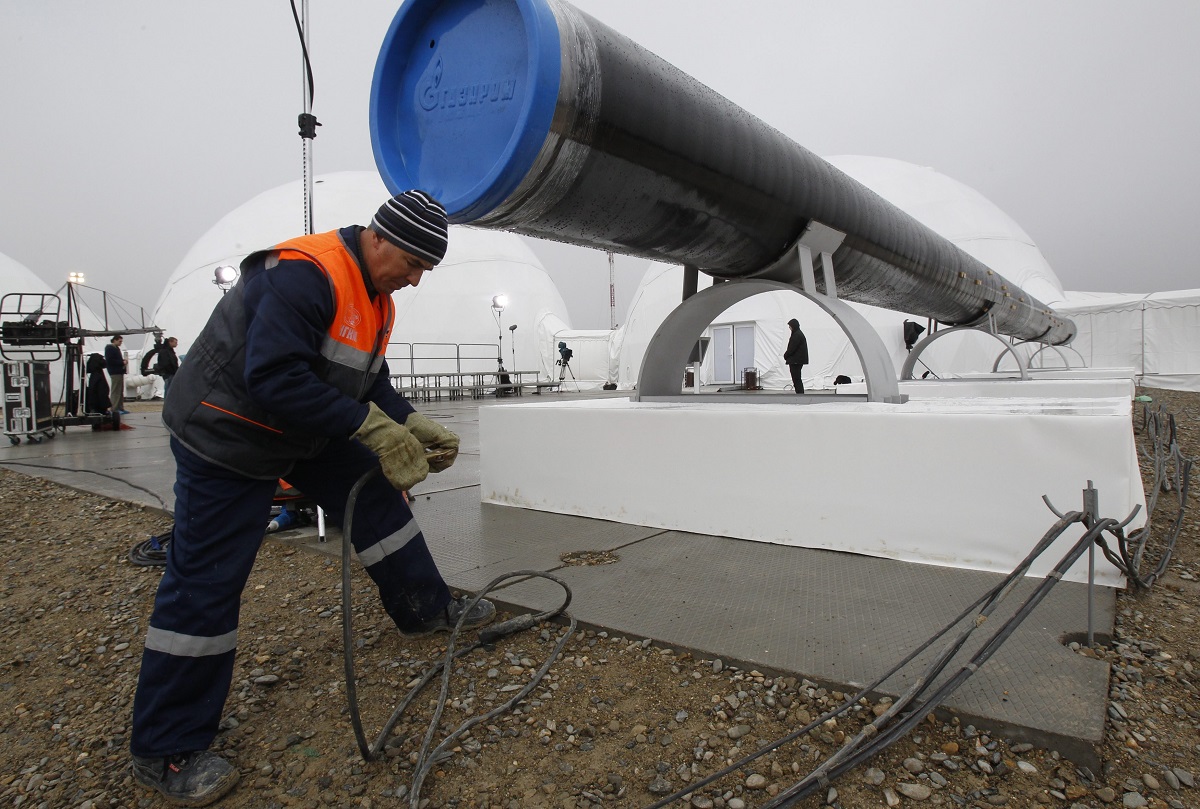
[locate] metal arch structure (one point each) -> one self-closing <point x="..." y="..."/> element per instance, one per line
<point x="1057" y="350"/>
<point x="672" y="343"/>
<point x="668" y="350"/>
<point x="911" y="361"/>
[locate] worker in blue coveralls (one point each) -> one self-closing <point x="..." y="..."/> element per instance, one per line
<point x="288" y="379"/>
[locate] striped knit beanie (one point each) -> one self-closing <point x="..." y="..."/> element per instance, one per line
<point x="415" y="222"/>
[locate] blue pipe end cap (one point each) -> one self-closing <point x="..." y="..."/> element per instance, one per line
<point x="463" y="97"/>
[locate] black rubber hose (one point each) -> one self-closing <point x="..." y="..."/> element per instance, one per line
<point x="426" y="759"/>
<point x="884" y="738"/>
<point x="992" y="597"/>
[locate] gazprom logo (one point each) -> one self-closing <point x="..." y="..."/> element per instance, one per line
<point x="433" y="96"/>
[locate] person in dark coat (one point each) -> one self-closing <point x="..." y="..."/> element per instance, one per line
<point x="96" y="396"/>
<point x="168" y="363"/>
<point x="796" y="354"/>
<point x="115" y="364"/>
<point x="288" y="380"/>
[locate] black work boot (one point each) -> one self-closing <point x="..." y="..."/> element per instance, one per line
<point x="187" y="779"/>
<point x="482" y="615"/>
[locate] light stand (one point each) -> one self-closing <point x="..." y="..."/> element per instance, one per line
<point x="503" y="383"/>
<point x="498" y="304"/>
<point x="512" y="339"/>
<point x="225" y="277"/>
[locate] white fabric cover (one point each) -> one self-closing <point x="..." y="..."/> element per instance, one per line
<point x="953" y="482"/>
<point x="591" y="365"/>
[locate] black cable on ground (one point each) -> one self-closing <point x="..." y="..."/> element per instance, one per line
<point x="152" y="552"/>
<point x="875" y="737"/>
<point x="427" y="759"/>
<point x="1162" y="453"/>
<point x="992" y="598"/>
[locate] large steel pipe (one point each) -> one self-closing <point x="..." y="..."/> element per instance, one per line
<point x="531" y="116"/>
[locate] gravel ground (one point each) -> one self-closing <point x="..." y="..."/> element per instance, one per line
<point x="616" y="721"/>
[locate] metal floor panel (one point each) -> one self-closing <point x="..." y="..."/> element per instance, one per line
<point x="474" y="543"/>
<point x="131" y="465"/>
<point x="844" y="619"/>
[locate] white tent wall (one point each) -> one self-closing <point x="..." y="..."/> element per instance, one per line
<point x="1156" y="334"/>
<point x="189" y="295"/>
<point x="452" y="306"/>
<point x="591" y="361"/>
<point x="660" y="291"/>
<point x="961" y="214"/>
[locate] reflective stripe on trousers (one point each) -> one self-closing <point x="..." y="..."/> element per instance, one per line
<point x="220" y="520"/>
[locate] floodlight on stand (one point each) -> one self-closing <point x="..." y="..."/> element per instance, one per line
<point x="75" y="278"/>
<point x="912" y="333"/>
<point x="225" y="276"/>
<point x="499" y="302"/>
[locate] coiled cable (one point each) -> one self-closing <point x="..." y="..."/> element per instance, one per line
<point x="152" y="552"/>
<point x="426" y="758"/>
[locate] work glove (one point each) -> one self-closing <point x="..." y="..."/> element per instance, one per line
<point x="436" y="439"/>
<point x="400" y="453"/>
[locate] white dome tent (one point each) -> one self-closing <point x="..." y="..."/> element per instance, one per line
<point x="754" y="333"/>
<point x="15" y="277"/>
<point x="451" y="307"/>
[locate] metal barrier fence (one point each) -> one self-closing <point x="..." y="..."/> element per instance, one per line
<point x="434" y="358"/>
<point x="428" y="371"/>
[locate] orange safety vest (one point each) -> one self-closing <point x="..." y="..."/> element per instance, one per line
<point x="211" y="412"/>
<point x="360" y="329"/>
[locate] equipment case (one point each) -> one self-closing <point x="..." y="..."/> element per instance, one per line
<point x="27" y="410"/>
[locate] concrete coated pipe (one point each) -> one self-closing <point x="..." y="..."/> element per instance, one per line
<point x="531" y="116"/>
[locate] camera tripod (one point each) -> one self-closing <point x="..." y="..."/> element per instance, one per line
<point x="564" y="368"/>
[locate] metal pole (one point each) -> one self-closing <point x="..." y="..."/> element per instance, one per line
<point x="306" y="141"/>
<point x="612" y="293"/>
<point x="1091" y="507"/>
<point x="306" y="138"/>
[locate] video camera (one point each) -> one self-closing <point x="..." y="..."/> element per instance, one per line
<point x="564" y="353"/>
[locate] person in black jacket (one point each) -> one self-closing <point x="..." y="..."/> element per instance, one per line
<point x="288" y="380"/>
<point x="96" y="396"/>
<point x="796" y="354"/>
<point x="167" y="363"/>
<point x="115" y="363"/>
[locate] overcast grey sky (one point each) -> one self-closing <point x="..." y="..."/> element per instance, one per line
<point x="131" y="126"/>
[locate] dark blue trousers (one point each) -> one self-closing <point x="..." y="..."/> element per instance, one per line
<point x="220" y="520"/>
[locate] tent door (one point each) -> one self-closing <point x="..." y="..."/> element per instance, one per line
<point x="743" y="350"/>
<point x="732" y="352"/>
<point x="722" y="354"/>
